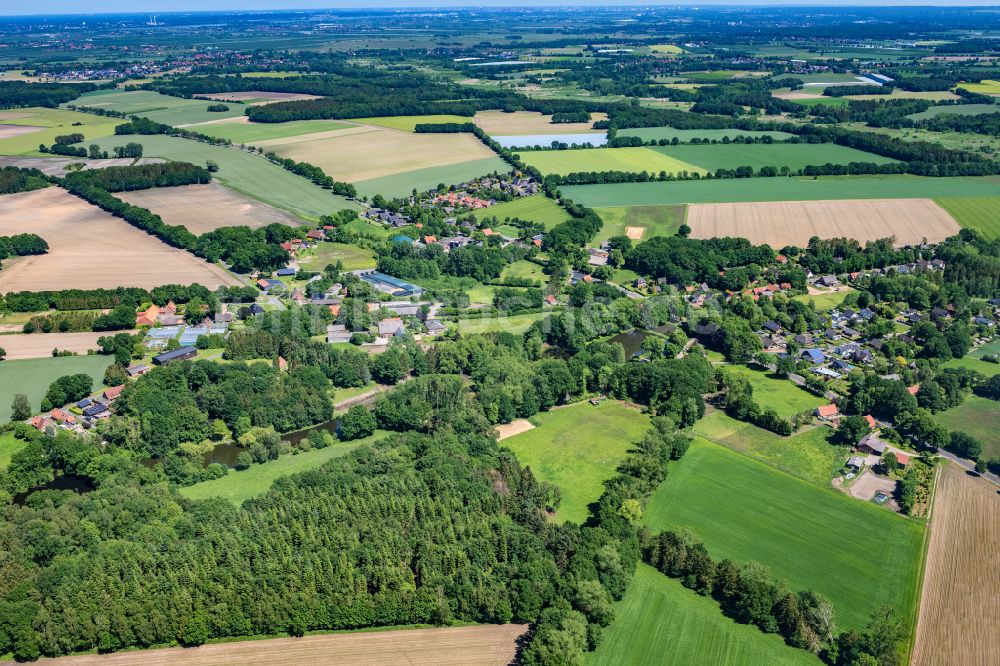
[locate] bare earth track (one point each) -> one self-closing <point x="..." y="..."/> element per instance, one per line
<point x="781" y="223"/>
<point x="481" y="645"/>
<point x="960" y="605"/>
<point x="90" y="249"/>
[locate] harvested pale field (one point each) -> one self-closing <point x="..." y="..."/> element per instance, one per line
<point x="960" y="604"/>
<point x="56" y="166"/>
<point x="506" y="430"/>
<point x="781" y="223"/>
<point x="485" y="645"/>
<point x="635" y="233"/>
<point x="90" y="249"/>
<point x="797" y="94"/>
<point x="203" y="208"/>
<point x="40" y="345"/>
<point x="373" y="152"/>
<point x="7" y="131"/>
<point x="259" y="96"/>
<point x="530" y="122"/>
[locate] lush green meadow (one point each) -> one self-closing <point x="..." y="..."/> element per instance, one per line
<point x="9" y="445"/>
<point x="979" y="213"/>
<point x="353" y="257"/>
<point x="826" y="101"/>
<point x="779" y="189"/>
<point x="808" y="454"/>
<point x="974" y="360"/>
<point x="240" y="132"/>
<point x="409" y="123"/>
<point x="653" y="220"/>
<point x="160" y="108"/>
<point x="563" y="162"/>
<point x="524" y="269"/>
<point x="979" y="417"/>
<point x="781" y="395"/>
<point x="32" y="376"/>
<point x="401" y="184"/>
<point x="577" y="448"/>
<point x="659" y="621"/>
<point x="757" y="155"/>
<point x="686" y="135"/>
<point x="516" y="324"/>
<point x="53" y="122"/>
<point x="955" y="110"/>
<point x="858" y="555"/>
<point x="825" y="302"/>
<point x="245" y="172"/>
<point x="238" y="486"/>
<point x="538" y="208"/>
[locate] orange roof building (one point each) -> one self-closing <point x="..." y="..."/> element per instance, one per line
<point x="827" y="411"/>
<point x="148" y="317"/>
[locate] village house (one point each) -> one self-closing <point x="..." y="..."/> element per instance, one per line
<point x="827" y="412"/>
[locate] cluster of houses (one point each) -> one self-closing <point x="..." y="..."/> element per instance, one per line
<point x="391" y="327"/>
<point x="82" y="415"/>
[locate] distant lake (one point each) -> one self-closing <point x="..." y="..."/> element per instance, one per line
<point x="531" y="140"/>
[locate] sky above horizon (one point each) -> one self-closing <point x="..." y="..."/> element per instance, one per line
<point x="130" y="6"/>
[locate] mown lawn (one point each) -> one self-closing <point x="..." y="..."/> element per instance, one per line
<point x="979" y="213"/>
<point x="353" y="257"/>
<point x="973" y="360"/>
<point x="856" y="554"/>
<point x="827" y="301"/>
<point x="538" y="208"/>
<point x="979" y="417"/>
<point x="606" y="159"/>
<point x="524" y="269"/>
<point x="659" y="621"/>
<point x="9" y="445"/>
<point x="240" y="486"/>
<point x="778" y="394"/>
<point x="653" y="220"/>
<point x="808" y="454"/>
<point x="577" y="448"/>
<point x="515" y="324"/>
<point x="757" y="155"/>
<point x="32" y="376"/>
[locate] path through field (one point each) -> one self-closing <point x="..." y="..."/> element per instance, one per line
<point x="485" y="645"/>
<point x="960" y="603"/>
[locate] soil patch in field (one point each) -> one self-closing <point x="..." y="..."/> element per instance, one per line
<point x="481" y="645"/>
<point x="505" y="430"/>
<point x="40" y="345"/>
<point x="260" y="96"/>
<point x="7" y="131"/>
<point x="530" y="122"/>
<point x="90" y="249"/>
<point x="635" y="233"/>
<point x="781" y="223"/>
<point x="203" y="208"/>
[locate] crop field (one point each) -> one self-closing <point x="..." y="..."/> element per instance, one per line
<point x="955" y="110"/>
<point x="50" y="123"/>
<point x="33" y="376"/>
<point x="652" y="220"/>
<point x="794" y="222"/>
<point x="577" y="448"/>
<point x="685" y="135"/>
<point x="780" y="189"/>
<point x="659" y="621"/>
<point x="563" y="162"/>
<point x="351" y="256"/>
<point x="40" y="345"/>
<point x="985" y="87"/>
<point x="409" y="123"/>
<point x="501" y="123"/>
<point x="959" y="606"/>
<point x="245" y="172"/>
<point x="56" y="166"/>
<point x="251" y="97"/>
<point x="979" y="213"/>
<point x="89" y="248"/>
<point x="857" y="555"/>
<point x="241" y="130"/>
<point x="538" y="208"/>
<point x="401" y="184"/>
<point x="808" y="454"/>
<point x="239" y="486"/>
<point x="159" y="108"/>
<point x="821" y="78"/>
<point x="757" y="155"/>
<point x="476" y="645"/>
<point x="976" y="416"/>
<point x="203" y="208"/>
<point x="973" y="360"/>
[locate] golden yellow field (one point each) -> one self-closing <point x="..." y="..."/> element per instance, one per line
<point x="203" y="208"/>
<point x="90" y="249"/>
<point x="40" y="345"/>
<point x="781" y="223"/>
<point x="530" y="122"/>
<point x="960" y="605"/>
<point x="367" y="152"/>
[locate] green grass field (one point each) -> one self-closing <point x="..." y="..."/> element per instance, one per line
<point x="807" y="455"/>
<point x="826" y="101"/>
<point x="245" y="172"/>
<point x="827" y="301"/>
<point x="985" y="87"/>
<point x="538" y="208"/>
<point x="654" y="220"/>
<point x="577" y="448"/>
<point x="516" y="324"/>
<point x="240" y="486"/>
<point x="792" y="155"/>
<point x="160" y="108"/>
<point x="856" y="554"/>
<point x="253" y="132"/>
<point x="779" y="189"/>
<point x="979" y="213"/>
<point x="32" y="376"/>
<point x="605" y="159"/>
<point x="821" y="77"/>
<point x="54" y="123"/>
<point x="978" y="417"/>
<point x="685" y="135"/>
<point x="524" y="269"/>
<point x="659" y="621"/>
<point x="409" y="123"/>
<point x="401" y="184"/>
<point x="781" y="395"/>
<point x="955" y="110"/>
<point x="973" y="360"/>
<point x="354" y="258"/>
<point x="9" y="445"/>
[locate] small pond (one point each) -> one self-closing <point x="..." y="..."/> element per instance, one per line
<point x="78" y="484"/>
<point x="632" y="340"/>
